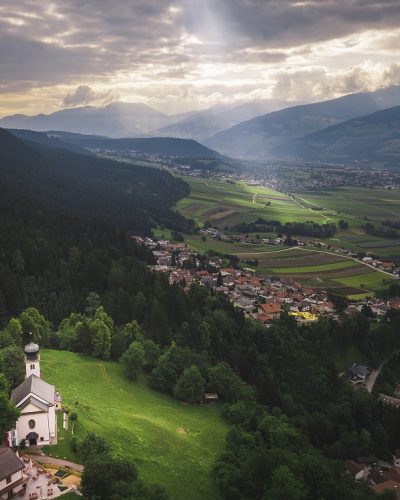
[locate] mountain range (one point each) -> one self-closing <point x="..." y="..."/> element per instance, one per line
<point x="203" y="124"/>
<point x="122" y="119"/>
<point x="348" y="128"/>
<point x="266" y="136"/>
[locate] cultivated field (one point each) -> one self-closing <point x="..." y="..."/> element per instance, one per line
<point x="223" y="204"/>
<point x="358" y="206"/>
<point x="226" y="204"/>
<point x="172" y="444"/>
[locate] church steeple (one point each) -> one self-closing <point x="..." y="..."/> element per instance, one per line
<point x="32" y="360"/>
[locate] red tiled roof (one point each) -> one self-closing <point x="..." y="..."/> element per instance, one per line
<point x="271" y="308"/>
<point x="264" y="318"/>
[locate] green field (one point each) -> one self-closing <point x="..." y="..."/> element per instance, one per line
<point x="172" y="444"/>
<point x="226" y="204"/>
<point x="223" y="203"/>
<point x="357" y="205"/>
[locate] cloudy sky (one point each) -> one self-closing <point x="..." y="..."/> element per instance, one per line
<point x="176" y="55"/>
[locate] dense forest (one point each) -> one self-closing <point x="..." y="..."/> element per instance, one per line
<point x="65" y="221"/>
<point x="75" y="280"/>
<point x="130" y="196"/>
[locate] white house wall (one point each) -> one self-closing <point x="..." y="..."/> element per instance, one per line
<point x="14" y="478"/>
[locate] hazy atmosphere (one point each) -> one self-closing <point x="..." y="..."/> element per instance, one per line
<point x="186" y="54"/>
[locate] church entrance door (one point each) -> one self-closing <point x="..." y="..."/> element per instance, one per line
<point x="32" y="437"/>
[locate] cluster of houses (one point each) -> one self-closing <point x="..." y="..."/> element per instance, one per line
<point x="260" y="297"/>
<point x="378" y="474"/>
<point x="378" y="307"/>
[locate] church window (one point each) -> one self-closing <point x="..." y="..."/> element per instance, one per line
<point x="31" y="424"/>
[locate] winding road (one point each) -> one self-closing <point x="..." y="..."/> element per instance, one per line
<point x="375" y="374"/>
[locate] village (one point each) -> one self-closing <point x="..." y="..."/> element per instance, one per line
<point x="262" y="298"/>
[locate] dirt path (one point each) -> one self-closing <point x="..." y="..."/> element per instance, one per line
<point x="44" y="459"/>
<point x="310" y="209"/>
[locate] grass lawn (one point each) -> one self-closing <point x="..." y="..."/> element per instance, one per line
<point x="172" y="444"/>
<point x="352" y="355"/>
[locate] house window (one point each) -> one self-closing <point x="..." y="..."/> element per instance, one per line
<point x="31" y="424"/>
<point x="42" y="439"/>
<point x="8" y="479"/>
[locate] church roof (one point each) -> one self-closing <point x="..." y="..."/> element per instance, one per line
<point x="9" y="463"/>
<point x="36" y="386"/>
<point x="31" y="348"/>
<point x="35" y="402"/>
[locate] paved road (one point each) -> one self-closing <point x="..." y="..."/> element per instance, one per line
<point x="375" y="374"/>
<point x="43" y="459"/>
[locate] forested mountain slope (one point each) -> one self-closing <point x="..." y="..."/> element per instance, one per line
<point x="131" y="196"/>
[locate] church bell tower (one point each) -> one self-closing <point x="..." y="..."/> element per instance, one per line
<point x="32" y="360"/>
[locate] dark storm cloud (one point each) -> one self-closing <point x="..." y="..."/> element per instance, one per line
<point x="288" y="23"/>
<point x="45" y="43"/>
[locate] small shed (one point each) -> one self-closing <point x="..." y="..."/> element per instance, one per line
<point x="210" y="398"/>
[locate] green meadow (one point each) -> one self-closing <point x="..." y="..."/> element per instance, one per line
<point x="172" y="444"/>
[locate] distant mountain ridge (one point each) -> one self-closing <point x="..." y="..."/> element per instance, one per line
<point x="118" y="119"/>
<point x="263" y="136"/>
<point x="371" y="138"/>
<point x="121" y="119"/>
<point x="203" y="124"/>
<point x="167" y="146"/>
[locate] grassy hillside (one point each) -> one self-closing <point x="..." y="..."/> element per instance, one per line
<point x="172" y="444"/>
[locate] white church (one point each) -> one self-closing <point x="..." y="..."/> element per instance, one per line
<point x="37" y="400"/>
